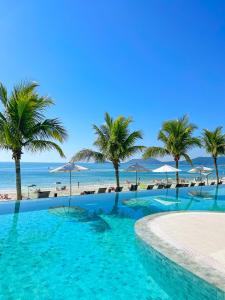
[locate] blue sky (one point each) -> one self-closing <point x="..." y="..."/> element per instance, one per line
<point x="152" y="60"/>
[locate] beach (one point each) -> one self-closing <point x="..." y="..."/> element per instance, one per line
<point x="56" y="192"/>
<point x="97" y="175"/>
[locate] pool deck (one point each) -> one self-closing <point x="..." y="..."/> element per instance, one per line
<point x="194" y="240"/>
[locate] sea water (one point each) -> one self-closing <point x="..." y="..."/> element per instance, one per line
<point x="38" y="174"/>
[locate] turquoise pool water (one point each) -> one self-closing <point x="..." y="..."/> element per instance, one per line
<point x="85" y="247"/>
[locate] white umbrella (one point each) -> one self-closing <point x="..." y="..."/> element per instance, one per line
<point x="200" y="170"/>
<point x="166" y="169"/>
<point x="137" y="168"/>
<point x="69" y="168"/>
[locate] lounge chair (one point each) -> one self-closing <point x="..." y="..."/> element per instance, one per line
<point x="87" y="192"/>
<point x="118" y="189"/>
<point x="212" y="183"/>
<point x="185" y="184"/>
<point x="160" y="186"/>
<point x="150" y="186"/>
<point x="101" y="190"/>
<point x="168" y="186"/>
<point x="43" y="194"/>
<point x="133" y="187"/>
<point x="193" y="184"/>
<point x="179" y="185"/>
<point x="201" y="184"/>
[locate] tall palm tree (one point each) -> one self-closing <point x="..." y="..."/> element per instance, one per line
<point x="177" y="138"/>
<point x="114" y="142"/>
<point x="214" y="144"/>
<point x="23" y="124"/>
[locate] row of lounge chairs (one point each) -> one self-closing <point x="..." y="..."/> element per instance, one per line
<point x="103" y="190"/>
<point x="179" y="185"/>
<point x="133" y="187"/>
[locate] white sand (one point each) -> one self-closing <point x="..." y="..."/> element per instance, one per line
<point x="75" y="190"/>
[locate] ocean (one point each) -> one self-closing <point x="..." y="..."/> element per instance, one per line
<point x="38" y="174"/>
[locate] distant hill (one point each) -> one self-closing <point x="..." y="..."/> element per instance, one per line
<point x="202" y="160"/>
<point x="146" y="161"/>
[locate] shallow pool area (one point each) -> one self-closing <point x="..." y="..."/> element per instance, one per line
<point x="187" y="248"/>
<point x="85" y="247"/>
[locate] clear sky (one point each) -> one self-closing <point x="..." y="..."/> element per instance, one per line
<point x="152" y="60"/>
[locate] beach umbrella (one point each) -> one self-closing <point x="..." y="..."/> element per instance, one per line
<point x="166" y="169"/>
<point x="69" y="168"/>
<point x="201" y="170"/>
<point x="137" y="168"/>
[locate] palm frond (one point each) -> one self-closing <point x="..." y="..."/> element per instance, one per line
<point x="108" y="120"/>
<point x="114" y="141"/>
<point x="102" y="136"/>
<point x="43" y="145"/>
<point x="131" y="151"/>
<point x="177" y="136"/>
<point x="132" y="138"/>
<point x="155" y="152"/>
<point x="23" y="122"/>
<point x="49" y="128"/>
<point x="87" y="155"/>
<point x="214" y="141"/>
<point x="3" y="95"/>
<point x="187" y="158"/>
<point x="25" y="88"/>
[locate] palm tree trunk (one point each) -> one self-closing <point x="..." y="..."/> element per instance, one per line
<point x="177" y="174"/>
<point x="216" y="168"/>
<point x="18" y="179"/>
<point x="116" y="166"/>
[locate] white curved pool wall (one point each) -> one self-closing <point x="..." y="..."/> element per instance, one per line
<point x="180" y="277"/>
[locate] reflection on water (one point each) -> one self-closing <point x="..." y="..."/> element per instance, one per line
<point x="78" y="214"/>
<point x="74" y="213"/>
<point x="201" y="194"/>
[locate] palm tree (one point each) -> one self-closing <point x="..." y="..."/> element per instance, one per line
<point x="177" y="138"/>
<point x="23" y="124"/>
<point x="214" y="143"/>
<point x="114" y="142"/>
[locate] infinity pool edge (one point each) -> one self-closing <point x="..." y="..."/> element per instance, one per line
<point x="181" y="258"/>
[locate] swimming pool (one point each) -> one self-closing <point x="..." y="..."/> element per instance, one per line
<point x="85" y="247"/>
